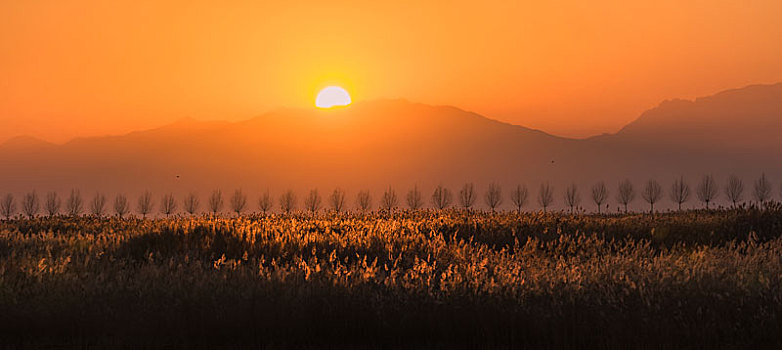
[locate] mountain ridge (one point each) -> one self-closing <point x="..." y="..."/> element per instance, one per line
<point x="389" y="142"/>
<point x="192" y="123"/>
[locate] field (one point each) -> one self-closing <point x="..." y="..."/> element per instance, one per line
<point x="409" y="279"/>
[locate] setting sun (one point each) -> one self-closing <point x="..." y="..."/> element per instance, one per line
<point x="332" y="96"/>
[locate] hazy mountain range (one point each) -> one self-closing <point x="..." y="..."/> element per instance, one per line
<point x="373" y="145"/>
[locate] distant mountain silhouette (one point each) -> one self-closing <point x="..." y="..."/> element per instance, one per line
<point x="744" y="119"/>
<point x="25" y="143"/>
<point x="373" y="145"/>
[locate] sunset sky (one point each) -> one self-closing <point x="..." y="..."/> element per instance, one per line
<point x="568" y="67"/>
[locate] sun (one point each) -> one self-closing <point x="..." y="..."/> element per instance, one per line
<point x="332" y="96"/>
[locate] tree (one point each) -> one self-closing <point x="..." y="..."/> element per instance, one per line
<point x="572" y="197"/>
<point x="467" y="196"/>
<point x="8" y="206"/>
<point x="519" y="197"/>
<point x="216" y="202"/>
<point x="121" y="205"/>
<point x="545" y="195"/>
<point x="364" y="200"/>
<point x="441" y="198"/>
<point x="337" y="199"/>
<point x="389" y="200"/>
<point x="238" y="202"/>
<point x="312" y="202"/>
<point x="52" y="204"/>
<point x="288" y="201"/>
<point x="734" y="189"/>
<point x="145" y="204"/>
<point x="762" y="189"/>
<point x="74" y="204"/>
<point x="626" y="193"/>
<point x="599" y="194"/>
<point x="680" y="192"/>
<point x="494" y="196"/>
<point x="707" y="190"/>
<point x="265" y="202"/>
<point x="30" y="204"/>
<point x="98" y="205"/>
<point x="414" y="199"/>
<point x="168" y="204"/>
<point x="191" y="203"/>
<point x="652" y="193"/>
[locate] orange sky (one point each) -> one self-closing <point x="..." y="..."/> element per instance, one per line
<point x="569" y="67"/>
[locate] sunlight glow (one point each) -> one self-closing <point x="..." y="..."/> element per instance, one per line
<point x="332" y="96"/>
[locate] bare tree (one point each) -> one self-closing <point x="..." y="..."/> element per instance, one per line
<point x="98" y="205"/>
<point x="652" y="193"/>
<point x="337" y="200"/>
<point x="8" y="206"/>
<point x="312" y="202"/>
<point x="389" y="200"/>
<point x="707" y="190"/>
<point x="467" y="196"/>
<point x="626" y="193"/>
<point x="572" y="197"/>
<point x="191" y="203"/>
<point x="364" y="200"/>
<point x="265" y="202"/>
<point x="52" y="204"/>
<point x="762" y="189"/>
<point x="494" y="196"/>
<point x="216" y="202"/>
<point x="121" y="206"/>
<point x="414" y="199"/>
<point x="30" y="204"/>
<point x="545" y="195"/>
<point x="519" y="197"/>
<point x="288" y="201"/>
<point x="168" y="204"/>
<point x="145" y="204"/>
<point x="74" y="204"/>
<point x="734" y="189"/>
<point x="441" y="198"/>
<point x="238" y="202"/>
<point x="680" y="192"/>
<point x="599" y="194"/>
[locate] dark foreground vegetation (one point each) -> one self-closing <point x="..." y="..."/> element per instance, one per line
<point x="418" y="279"/>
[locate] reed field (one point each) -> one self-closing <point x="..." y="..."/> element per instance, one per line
<point x="406" y="279"/>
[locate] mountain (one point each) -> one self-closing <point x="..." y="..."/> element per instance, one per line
<point x="741" y="119"/>
<point x="732" y="132"/>
<point x="25" y="143"/>
<point x="377" y="144"/>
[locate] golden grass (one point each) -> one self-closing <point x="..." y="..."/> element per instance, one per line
<point x="421" y="278"/>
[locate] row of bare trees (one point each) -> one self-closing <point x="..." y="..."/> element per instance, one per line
<point x="74" y="204"/>
<point x="707" y="191"/>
